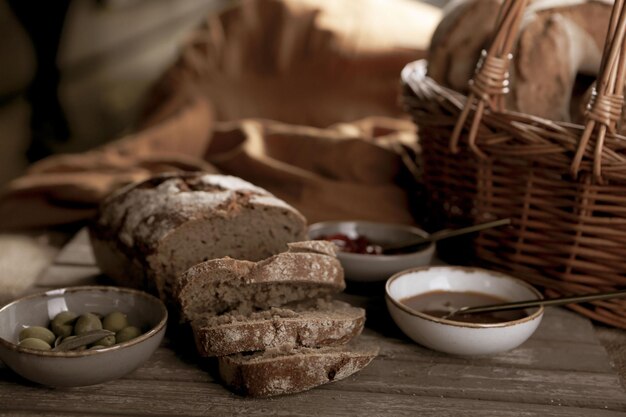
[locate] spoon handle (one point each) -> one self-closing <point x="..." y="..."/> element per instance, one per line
<point x="444" y="234"/>
<point x="536" y="303"/>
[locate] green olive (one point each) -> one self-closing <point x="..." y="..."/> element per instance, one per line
<point x="95" y="313"/>
<point x="34" y="343"/>
<point x="63" y="323"/>
<point x="106" y="341"/>
<point x="37" y="332"/>
<point x="87" y="322"/>
<point x="65" y="317"/>
<point x="115" y="321"/>
<point x="127" y="333"/>
<point x="63" y="330"/>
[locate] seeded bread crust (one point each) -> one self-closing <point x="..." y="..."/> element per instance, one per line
<point x="314" y="324"/>
<point x="278" y="372"/>
<point x="322" y="247"/>
<point x="148" y="232"/>
<point x="231" y="286"/>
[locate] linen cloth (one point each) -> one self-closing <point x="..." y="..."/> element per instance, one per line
<point x="297" y="96"/>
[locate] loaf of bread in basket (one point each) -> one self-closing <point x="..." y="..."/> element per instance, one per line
<point x="559" y="43"/>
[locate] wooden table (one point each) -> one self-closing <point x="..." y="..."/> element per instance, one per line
<point x="562" y="370"/>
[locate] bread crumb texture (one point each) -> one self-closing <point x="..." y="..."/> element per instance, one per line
<point x="231" y="286"/>
<point x="308" y="324"/>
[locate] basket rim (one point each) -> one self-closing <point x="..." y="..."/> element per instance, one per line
<point x="417" y="71"/>
<point x="425" y="99"/>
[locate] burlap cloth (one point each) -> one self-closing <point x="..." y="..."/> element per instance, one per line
<point x="297" y="96"/>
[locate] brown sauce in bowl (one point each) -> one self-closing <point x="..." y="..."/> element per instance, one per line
<point x="441" y="303"/>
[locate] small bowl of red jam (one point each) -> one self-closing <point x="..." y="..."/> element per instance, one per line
<point x="363" y="247"/>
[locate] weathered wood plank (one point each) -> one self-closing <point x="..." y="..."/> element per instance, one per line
<point x="534" y="354"/>
<point x="454" y="381"/>
<point x="127" y="397"/>
<point x="403" y="355"/>
<point x="77" y="251"/>
<point x="424" y="375"/>
<point x="416" y="375"/>
<point x="490" y="383"/>
<point x="64" y="276"/>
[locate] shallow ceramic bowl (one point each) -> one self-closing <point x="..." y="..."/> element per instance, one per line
<point x="455" y="337"/>
<point x="364" y="268"/>
<point x="87" y="367"/>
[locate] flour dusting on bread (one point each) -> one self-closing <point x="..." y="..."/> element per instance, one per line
<point x="170" y="222"/>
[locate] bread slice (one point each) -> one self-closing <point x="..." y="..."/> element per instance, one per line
<point x="147" y="233"/>
<point x="310" y="324"/>
<point x="305" y="271"/>
<point x="276" y="372"/>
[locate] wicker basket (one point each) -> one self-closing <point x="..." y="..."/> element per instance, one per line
<point x="563" y="185"/>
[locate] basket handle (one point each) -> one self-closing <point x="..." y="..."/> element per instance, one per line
<point x="605" y="106"/>
<point x="491" y="77"/>
<point x="490" y="83"/>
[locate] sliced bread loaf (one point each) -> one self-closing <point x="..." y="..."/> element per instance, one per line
<point x="276" y="372"/>
<point x="309" y="324"/>
<point x="307" y="270"/>
<point x="148" y="232"/>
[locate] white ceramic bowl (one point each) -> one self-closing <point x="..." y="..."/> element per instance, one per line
<point x="367" y="268"/>
<point x="452" y="336"/>
<point x="87" y="367"/>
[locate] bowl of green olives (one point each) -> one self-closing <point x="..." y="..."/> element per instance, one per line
<point x="80" y="335"/>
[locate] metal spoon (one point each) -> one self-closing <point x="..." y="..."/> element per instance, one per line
<point x="443" y="234"/>
<point x="536" y="303"/>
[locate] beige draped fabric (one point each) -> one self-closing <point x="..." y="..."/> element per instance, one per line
<point x="296" y="96"/>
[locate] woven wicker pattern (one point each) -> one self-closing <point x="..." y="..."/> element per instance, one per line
<point x="563" y="185"/>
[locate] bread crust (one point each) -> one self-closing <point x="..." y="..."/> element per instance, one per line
<point x="322" y="247"/>
<point x="317" y="325"/>
<point x="276" y="373"/>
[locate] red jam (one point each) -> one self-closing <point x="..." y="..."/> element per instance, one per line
<point x="360" y="244"/>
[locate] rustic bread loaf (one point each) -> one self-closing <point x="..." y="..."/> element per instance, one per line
<point x="287" y="371"/>
<point x="147" y="233"/>
<point x="559" y="40"/>
<point x="457" y="41"/>
<point x="307" y="270"/>
<point x="308" y="324"/>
